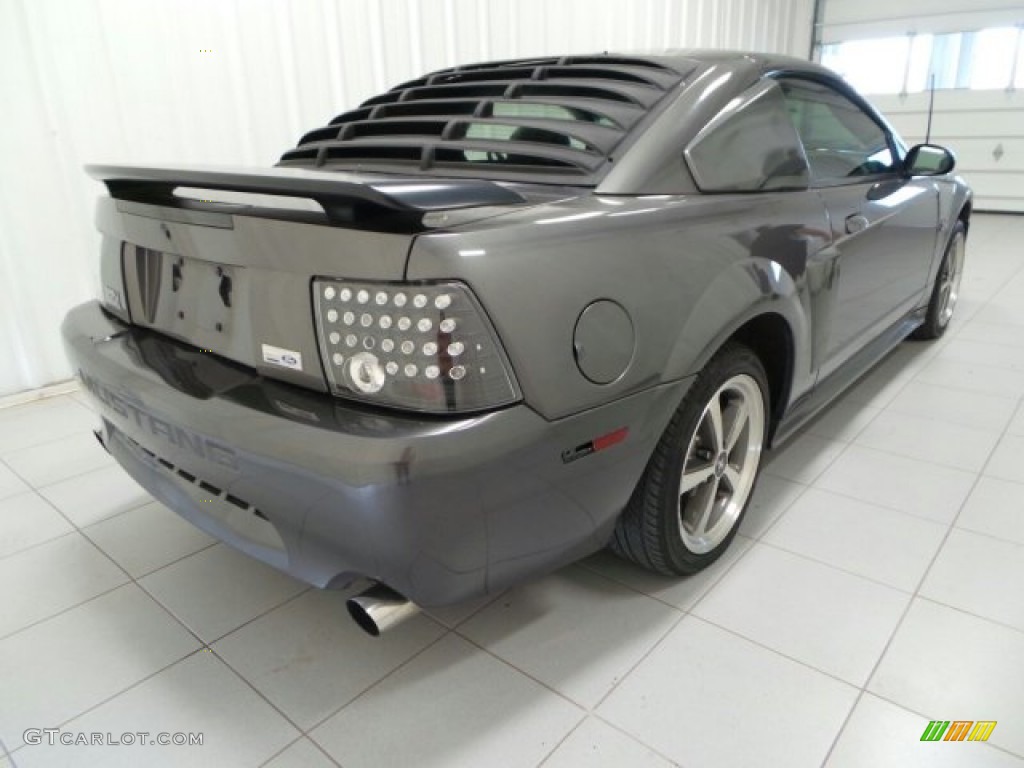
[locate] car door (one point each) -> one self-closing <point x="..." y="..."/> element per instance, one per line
<point x="883" y="224"/>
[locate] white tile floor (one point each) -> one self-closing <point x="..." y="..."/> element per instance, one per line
<point x="878" y="583"/>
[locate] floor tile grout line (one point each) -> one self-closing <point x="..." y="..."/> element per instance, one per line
<point x="61" y="725"/>
<point x="166" y="609"/>
<point x="847" y="443"/>
<point x="79" y="604"/>
<point x="206" y="645"/>
<point x="767" y="469"/>
<point x="4" y="752"/>
<point x="915" y="515"/>
<point x="915" y="596"/>
<point x="684" y="613"/>
<point x="16" y="448"/>
<point x="776" y="652"/>
<point x="671" y="761"/>
<point x="75" y="526"/>
<point x="862" y="689"/>
<point x="149" y="500"/>
<point x="506" y="663"/>
<point x="782" y="513"/>
<point x="809" y="428"/>
<point x="470" y="615"/>
<point x="289" y="745"/>
<point x="911" y="710"/>
<point x="958" y="390"/>
<point x="836" y="568"/>
<point x="48" y="503"/>
<point x="562" y="740"/>
<point x="596" y="716"/>
<point x="168" y="564"/>
<point x="247" y="622"/>
<point x="586" y="708"/>
<point x="987" y="535"/>
<point x="319" y="723"/>
<point x="939" y="419"/>
<point x="969" y="390"/>
<point x="109" y="462"/>
<point x="80" y="475"/>
<point x="895" y="631"/>
<point x="657" y="598"/>
<point x="248" y="684"/>
<point x="307" y="731"/>
<point x="875" y="504"/>
<point x="970" y="614"/>
<point x="165" y="668"/>
<point x="952" y="523"/>
<point x="939" y="464"/>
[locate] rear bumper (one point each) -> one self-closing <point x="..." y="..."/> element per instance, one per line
<point x="439" y="510"/>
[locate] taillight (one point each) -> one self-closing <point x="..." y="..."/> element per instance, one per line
<point x="419" y="347"/>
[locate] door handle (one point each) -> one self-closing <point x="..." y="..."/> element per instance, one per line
<point x="856" y="223"/>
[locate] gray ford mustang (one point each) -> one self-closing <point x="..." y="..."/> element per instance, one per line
<point x="507" y="314"/>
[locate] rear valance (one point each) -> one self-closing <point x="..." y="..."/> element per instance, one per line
<point x="336" y="192"/>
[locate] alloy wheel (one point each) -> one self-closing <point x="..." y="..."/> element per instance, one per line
<point x="721" y="463"/>
<point x="949" y="280"/>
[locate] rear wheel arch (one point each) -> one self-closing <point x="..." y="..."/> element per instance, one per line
<point x="770" y="337"/>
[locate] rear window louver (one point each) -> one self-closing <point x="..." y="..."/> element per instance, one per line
<point x="561" y="118"/>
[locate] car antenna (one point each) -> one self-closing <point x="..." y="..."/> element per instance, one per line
<point x="931" y="106"/>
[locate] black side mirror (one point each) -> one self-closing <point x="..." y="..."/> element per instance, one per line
<point x="928" y="160"/>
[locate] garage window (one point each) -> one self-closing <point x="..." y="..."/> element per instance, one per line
<point x="984" y="59"/>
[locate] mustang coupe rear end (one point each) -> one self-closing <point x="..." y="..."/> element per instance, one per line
<point x="505" y="315"/>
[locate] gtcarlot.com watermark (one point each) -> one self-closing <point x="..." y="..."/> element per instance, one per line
<point x="55" y="736"/>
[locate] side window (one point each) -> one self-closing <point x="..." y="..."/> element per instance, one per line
<point x="750" y="146"/>
<point x="841" y="140"/>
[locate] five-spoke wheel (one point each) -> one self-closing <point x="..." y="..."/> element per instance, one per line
<point x="721" y="463"/>
<point x="689" y="503"/>
<point x="946" y="290"/>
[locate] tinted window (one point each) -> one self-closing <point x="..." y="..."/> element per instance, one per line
<point x="548" y="112"/>
<point x="529" y="110"/>
<point x="840" y="139"/>
<point x="498" y="132"/>
<point x="749" y="146"/>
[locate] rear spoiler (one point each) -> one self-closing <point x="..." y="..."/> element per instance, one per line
<point x="337" y="192"/>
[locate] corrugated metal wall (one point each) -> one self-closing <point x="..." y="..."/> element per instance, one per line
<point x="233" y="82"/>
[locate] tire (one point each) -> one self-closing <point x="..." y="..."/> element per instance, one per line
<point x="677" y="531"/>
<point x="947" y="287"/>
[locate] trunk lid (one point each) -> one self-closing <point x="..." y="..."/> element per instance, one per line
<point x="223" y="259"/>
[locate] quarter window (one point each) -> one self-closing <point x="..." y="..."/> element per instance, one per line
<point x="841" y="140"/>
<point x="750" y="146"/>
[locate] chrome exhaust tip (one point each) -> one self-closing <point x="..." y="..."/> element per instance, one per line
<point x="379" y="608"/>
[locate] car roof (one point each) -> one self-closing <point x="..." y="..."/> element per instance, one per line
<point x="765" y="62"/>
